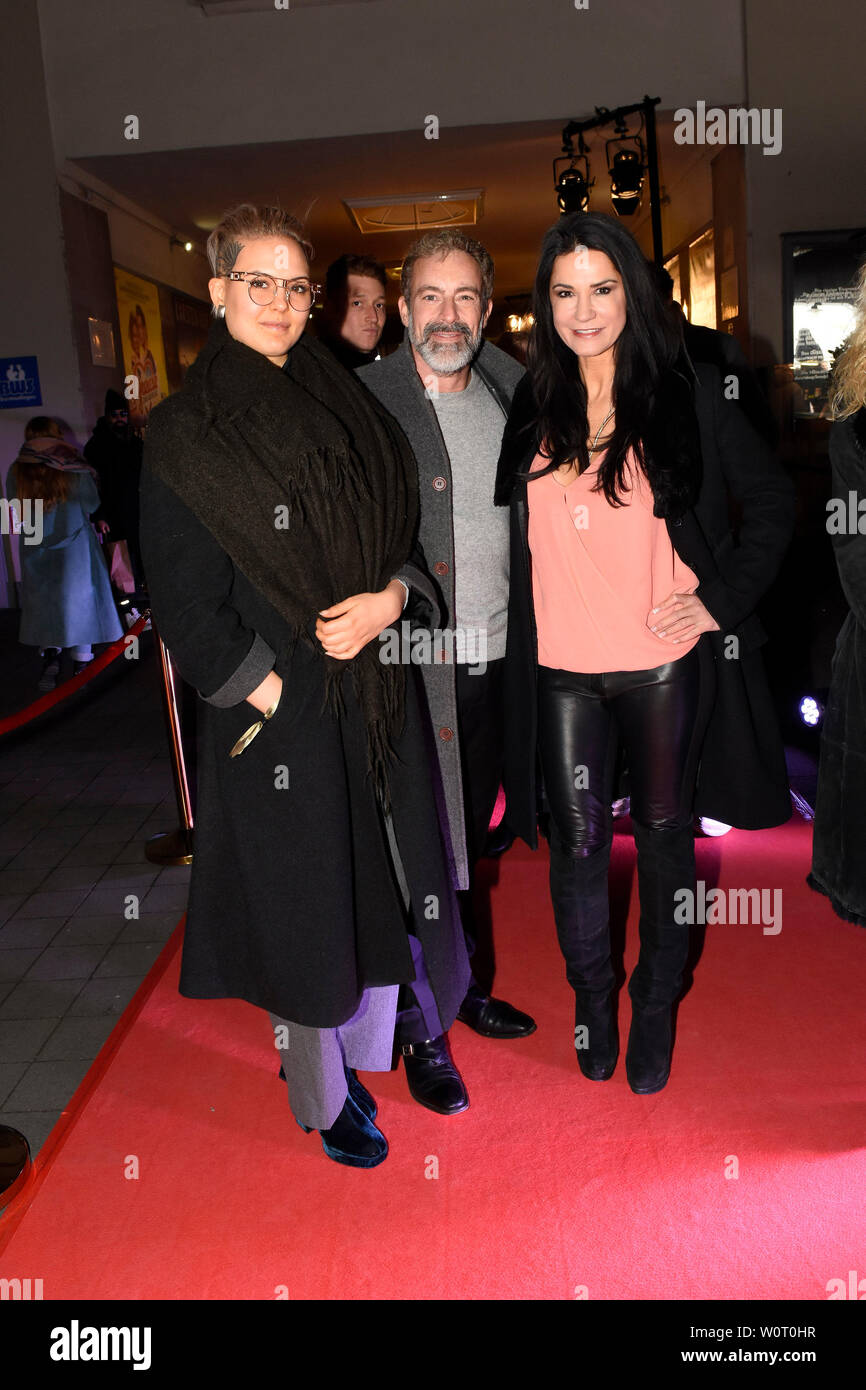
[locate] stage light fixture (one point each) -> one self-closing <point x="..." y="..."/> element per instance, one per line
<point x="811" y="711"/>
<point x="626" y="169"/>
<point x="571" y="178"/>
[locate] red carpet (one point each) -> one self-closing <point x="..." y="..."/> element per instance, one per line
<point x="547" y="1185"/>
<point x="71" y="686"/>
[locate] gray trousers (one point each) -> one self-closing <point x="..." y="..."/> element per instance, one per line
<point x="315" y="1059"/>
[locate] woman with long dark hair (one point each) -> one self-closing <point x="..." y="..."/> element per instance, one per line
<point x="632" y="620"/>
<point x="279" y="511"/>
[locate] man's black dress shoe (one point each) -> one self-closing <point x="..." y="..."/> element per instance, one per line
<point x="597" y="1047"/>
<point x="433" y="1079"/>
<point x="493" y="1018"/>
<point x="648" y="1057"/>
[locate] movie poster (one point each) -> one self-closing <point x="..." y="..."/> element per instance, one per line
<point x="141" y="336"/>
<point x="192" y="323"/>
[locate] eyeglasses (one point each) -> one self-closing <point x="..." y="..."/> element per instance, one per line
<point x="262" y="289"/>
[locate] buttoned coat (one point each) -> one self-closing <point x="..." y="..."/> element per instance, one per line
<point x="294" y="904"/>
<point x="395" y="382"/>
<point x="713" y="452"/>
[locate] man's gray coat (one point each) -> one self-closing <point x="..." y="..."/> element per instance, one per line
<point x="395" y="382"/>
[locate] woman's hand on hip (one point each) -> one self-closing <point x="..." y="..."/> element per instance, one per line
<point x="348" y="626"/>
<point x="680" y="618"/>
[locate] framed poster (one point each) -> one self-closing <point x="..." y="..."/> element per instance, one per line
<point x="141" y="337"/>
<point x="192" y="324"/>
<point x="819" y="273"/>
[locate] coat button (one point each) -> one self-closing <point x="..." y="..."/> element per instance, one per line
<point x="447" y="734"/>
<point x="440" y="567"/>
<point x="440" y="484"/>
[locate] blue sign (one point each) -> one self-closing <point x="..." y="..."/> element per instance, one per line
<point x="19" y="383"/>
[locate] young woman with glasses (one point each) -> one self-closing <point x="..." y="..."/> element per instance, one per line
<point x="279" y="509"/>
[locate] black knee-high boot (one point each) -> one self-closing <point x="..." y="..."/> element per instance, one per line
<point x="666" y="865"/>
<point x="579" y="893"/>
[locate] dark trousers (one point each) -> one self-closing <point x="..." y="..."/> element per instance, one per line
<point x="659" y="716"/>
<point x="481" y="737"/>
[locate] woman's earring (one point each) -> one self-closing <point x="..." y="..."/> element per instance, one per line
<point x="221" y="311"/>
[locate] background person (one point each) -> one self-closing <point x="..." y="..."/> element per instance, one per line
<point x="115" y="452"/>
<point x="66" y="599"/>
<point x="839" y="843"/>
<point x="279" y="508"/>
<point x="626" y="590"/>
<point x="354" y="312"/>
<point x="720" y="350"/>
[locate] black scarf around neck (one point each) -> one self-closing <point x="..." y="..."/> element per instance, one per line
<point x="310" y="488"/>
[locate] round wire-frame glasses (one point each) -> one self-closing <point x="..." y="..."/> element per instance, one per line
<point x="262" y="289"/>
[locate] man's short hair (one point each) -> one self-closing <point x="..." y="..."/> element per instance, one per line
<point x="439" y="243"/>
<point x="663" y="280"/>
<point x="338" y="272"/>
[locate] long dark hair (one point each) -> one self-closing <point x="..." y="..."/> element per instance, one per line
<point x="647" y="347"/>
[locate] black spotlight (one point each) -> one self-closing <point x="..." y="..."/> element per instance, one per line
<point x="573" y="183"/>
<point x="626" y="180"/>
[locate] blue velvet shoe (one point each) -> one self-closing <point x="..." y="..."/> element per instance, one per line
<point x="353" y="1139"/>
<point x="359" y="1093"/>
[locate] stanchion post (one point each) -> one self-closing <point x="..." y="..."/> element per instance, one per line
<point x="174" y="846"/>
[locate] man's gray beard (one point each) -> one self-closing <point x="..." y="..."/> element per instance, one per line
<point x="444" y="361"/>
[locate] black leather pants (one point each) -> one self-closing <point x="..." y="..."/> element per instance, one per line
<point x="660" y="716"/>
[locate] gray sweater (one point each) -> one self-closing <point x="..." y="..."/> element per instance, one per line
<point x="472" y="422"/>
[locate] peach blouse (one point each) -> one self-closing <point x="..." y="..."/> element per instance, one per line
<point x="597" y="571"/>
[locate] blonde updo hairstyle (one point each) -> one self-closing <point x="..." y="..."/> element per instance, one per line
<point x="244" y="223"/>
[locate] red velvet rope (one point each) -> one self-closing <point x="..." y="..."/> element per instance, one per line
<point x="93" y="668"/>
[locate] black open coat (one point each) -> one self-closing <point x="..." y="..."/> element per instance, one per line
<point x="293" y="901"/>
<point x="709" y="448"/>
<point x="839" y="844"/>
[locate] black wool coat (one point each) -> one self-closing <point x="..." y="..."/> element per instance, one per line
<point x="839" y="843"/>
<point x="704" y="450"/>
<point x="293" y="903"/>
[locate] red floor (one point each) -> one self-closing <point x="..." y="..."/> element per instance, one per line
<point x="548" y="1187"/>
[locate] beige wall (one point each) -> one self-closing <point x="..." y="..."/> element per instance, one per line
<point x="808" y="59"/>
<point x="35" y="310"/>
<point x="139" y="240"/>
<point x="352" y="69"/>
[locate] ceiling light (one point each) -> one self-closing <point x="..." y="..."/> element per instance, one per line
<point x="411" y="212"/>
